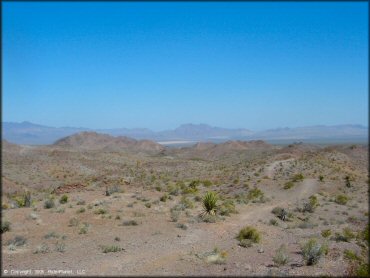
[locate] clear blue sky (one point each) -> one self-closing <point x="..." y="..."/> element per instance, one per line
<point x="159" y="65"/>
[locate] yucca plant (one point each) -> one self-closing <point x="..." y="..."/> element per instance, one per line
<point x="210" y="202"/>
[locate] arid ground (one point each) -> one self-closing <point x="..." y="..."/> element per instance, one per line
<point x="100" y="205"/>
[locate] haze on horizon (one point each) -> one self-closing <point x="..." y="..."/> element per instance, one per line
<point x="160" y="65"/>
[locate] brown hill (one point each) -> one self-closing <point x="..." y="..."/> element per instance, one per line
<point x="206" y="150"/>
<point x="9" y="147"/>
<point x="97" y="141"/>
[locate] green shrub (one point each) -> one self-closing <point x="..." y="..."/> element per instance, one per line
<point x="288" y="185"/>
<point x="207" y="183"/>
<point x="326" y="233"/>
<point x="100" y="211"/>
<point x="249" y="233"/>
<point x="313" y="201"/>
<point x="63" y="199"/>
<point x="48" y="204"/>
<point x="5" y="226"/>
<point x="227" y="207"/>
<point x="83" y="229"/>
<point x="187" y="203"/>
<point x="350" y="255"/>
<point x="210" y="202"/>
<point x="164" y="198"/>
<point x="255" y="193"/>
<point x="312" y="251"/>
<point x="297" y="177"/>
<point x="110" y="248"/>
<point x="341" y="199"/>
<point x="321" y="178"/>
<point x="281" y="256"/>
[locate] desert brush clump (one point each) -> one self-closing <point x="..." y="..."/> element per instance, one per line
<point x="210" y="202"/>
<point x="248" y="235"/>
<point x="48" y="204"/>
<point x="281" y="257"/>
<point x="5" y="226"/>
<point x="312" y="251"/>
<point x="341" y="199"/>
<point x="63" y="199"/>
<point x="110" y="248"/>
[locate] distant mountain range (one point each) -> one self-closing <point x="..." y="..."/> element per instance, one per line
<point x="33" y="134"/>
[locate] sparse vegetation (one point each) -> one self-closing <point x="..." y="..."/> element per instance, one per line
<point x="63" y="199"/>
<point x="281" y="257"/>
<point x="341" y="199"/>
<point x="312" y="251"/>
<point x="111" y="248"/>
<point x="248" y="235"/>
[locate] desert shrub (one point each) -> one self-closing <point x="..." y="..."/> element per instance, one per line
<point x="281" y="256"/>
<point x="297" y="177"/>
<point x="347" y="235"/>
<point x="148" y="205"/>
<point x="43" y="248"/>
<point x="17" y="241"/>
<point x="273" y="222"/>
<point x="175" y="214"/>
<point x="207" y="183"/>
<point x="83" y="229"/>
<point x="173" y="190"/>
<point x="60" y="247"/>
<point x="312" y="251"/>
<point x="110" y="248"/>
<point x="63" y="199"/>
<point x="255" y="193"/>
<point x="187" y="203"/>
<point x="321" y="178"/>
<point x="350" y="255"/>
<point x="227" y="207"/>
<point x="194" y="184"/>
<point x="81" y="210"/>
<point x="130" y="223"/>
<point x="197" y="198"/>
<point x="210" y="202"/>
<point x="81" y="202"/>
<point x="313" y="201"/>
<point x="164" y="198"/>
<point x="326" y="233"/>
<point x="208" y="218"/>
<point x="362" y="270"/>
<point x="113" y="189"/>
<point x="347" y="180"/>
<point x="215" y="257"/>
<point x="51" y="235"/>
<point x="100" y="211"/>
<point x="5" y="226"/>
<point x="249" y="235"/>
<point x="341" y="199"/>
<point x="288" y="185"/>
<point x="280" y="213"/>
<point x="182" y="226"/>
<point x="48" y="204"/>
<point x="73" y="222"/>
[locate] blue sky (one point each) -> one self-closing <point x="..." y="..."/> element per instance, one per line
<point x="159" y="65"/>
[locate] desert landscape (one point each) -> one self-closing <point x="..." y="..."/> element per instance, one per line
<point x="94" y="204"/>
